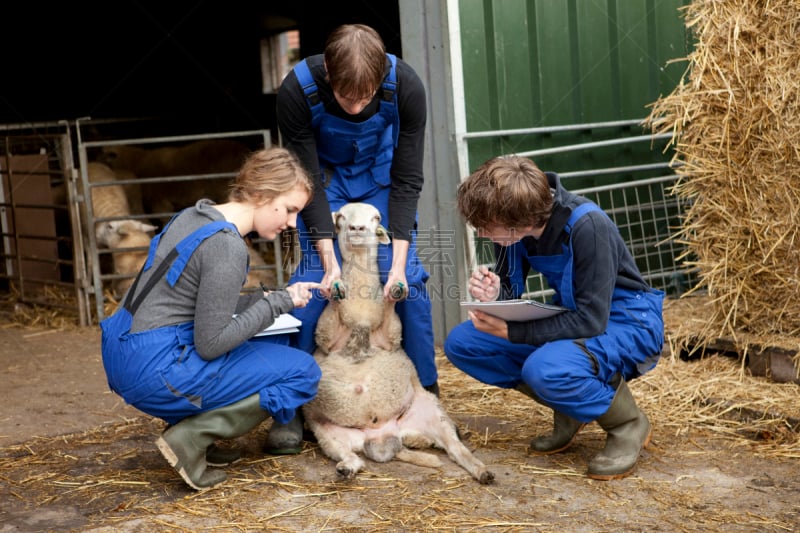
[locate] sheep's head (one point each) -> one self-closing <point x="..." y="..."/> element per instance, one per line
<point x="110" y="233"/>
<point x="358" y="225"/>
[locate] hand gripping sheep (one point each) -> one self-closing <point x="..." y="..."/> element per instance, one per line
<point x="370" y="399"/>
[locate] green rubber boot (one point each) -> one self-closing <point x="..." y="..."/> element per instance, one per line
<point x="628" y="431"/>
<point x="185" y="444"/>
<point x="565" y="428"/>
<point x="216" y="456"/>
<point x="285" y="439"/>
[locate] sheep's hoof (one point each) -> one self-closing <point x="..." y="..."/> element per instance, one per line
<point x="486" y="478"/>
<point x="345" y="472"/>
<point x="338" y="290"/>
<point x="399" y="291"/>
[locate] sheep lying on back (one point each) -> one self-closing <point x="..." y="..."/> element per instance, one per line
<point x="370" y="399"/>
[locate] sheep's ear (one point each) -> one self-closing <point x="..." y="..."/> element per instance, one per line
<point x="383" y="235"/>
<point x="337" y="220"/>
<point x="122" y="227"/>
<point x="146" y="228"/>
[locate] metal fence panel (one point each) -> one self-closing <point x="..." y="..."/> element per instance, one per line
<point x="40" y="249"/>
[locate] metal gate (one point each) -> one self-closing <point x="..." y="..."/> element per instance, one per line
<point x="49" y="257"/>
<point x="98" y="255"/>
<point x="636" y="195"/>
<point x="40" y="259"/>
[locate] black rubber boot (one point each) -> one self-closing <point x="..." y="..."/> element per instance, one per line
<point x="565" y="428"/>
<point x="628" y="431"/>
<point x="185" y="444"/>
<point x="285" y="439"/>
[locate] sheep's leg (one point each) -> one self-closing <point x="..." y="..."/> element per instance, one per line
<point x="331" y="333"/>
<point x="340" y="444"/>
<point x="416" y="457"/>
<point x="389" y="334"/>
<point x="426" y="421"/>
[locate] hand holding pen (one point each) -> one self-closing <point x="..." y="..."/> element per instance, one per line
<point x="484" y="285"/>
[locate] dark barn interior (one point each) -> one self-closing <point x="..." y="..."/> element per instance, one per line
<point x="144" y="69"/>
<point x="174" y="67"/>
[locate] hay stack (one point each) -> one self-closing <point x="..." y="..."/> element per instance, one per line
<point x="735" y="120"/>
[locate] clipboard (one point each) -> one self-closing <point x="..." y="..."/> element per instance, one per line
<point x="519" y="310"/>
<point x="285" y="323"/>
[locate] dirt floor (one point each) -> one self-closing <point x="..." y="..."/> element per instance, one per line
<point x="73" y="457"/>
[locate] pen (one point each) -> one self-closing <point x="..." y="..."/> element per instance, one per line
<point x="268" y="289"/>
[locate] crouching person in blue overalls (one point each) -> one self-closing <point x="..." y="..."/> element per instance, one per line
<point x="355" y="116"/>
<point x="577" y="362"/>
<point x="181" y="346"/>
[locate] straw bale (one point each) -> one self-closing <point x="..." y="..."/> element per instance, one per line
<point x="735" y="124"/>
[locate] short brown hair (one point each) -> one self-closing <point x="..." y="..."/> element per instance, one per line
<point x="355" y="59"/>
<point x="268" y="173"/>
<point x="509" y="191"/>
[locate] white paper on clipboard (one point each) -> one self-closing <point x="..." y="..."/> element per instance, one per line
<point x="515" y="310"/>
<point x="285" y="323"/>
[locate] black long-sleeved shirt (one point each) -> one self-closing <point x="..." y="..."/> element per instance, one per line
<point x="601" y="262"/>
<point x="294" y="122"/>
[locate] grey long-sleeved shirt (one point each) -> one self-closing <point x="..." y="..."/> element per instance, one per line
<point x="208" y="291"/>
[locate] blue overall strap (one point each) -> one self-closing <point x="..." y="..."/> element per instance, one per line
<point x="132" y="306"/>
<point x="306" y="81"/>
<point x="578" y="212"/>
<point x="389" y="103"/>
<point x="151" y="255"/>
<point x="190" y="243"/>
<point x="566" y="292"/>
<point x="176" y="258"/>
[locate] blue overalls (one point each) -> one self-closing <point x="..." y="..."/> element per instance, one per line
<point x="159" y="371"/>
<point x="571" y="375"/>
<point x="355" y="160"/>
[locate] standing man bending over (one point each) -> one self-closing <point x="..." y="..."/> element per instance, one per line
<point x="355" y="116"/>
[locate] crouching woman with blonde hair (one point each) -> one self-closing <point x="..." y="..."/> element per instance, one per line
<point x="181" y="346"/>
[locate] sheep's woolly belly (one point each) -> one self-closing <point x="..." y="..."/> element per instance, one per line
<point x="366" y="394"/>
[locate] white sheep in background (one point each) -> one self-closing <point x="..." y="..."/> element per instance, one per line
<point x="112" y="201"/>
<point x="370" y="399"/>
<point x="129" y="234"/>
<point x="107" y="200"/>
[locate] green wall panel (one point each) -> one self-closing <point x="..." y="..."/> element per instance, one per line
<point x="534" y="63"/>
